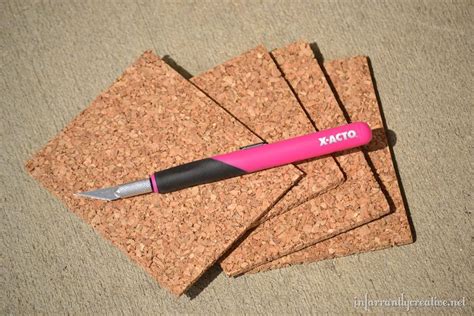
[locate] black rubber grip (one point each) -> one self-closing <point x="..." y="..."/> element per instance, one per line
<point x="194" y="173"/>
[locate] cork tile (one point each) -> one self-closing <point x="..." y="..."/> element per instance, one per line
<point x="355" y="202"/>
<point x="150" y="119"/>
<point x="353" y="83"/>
<point x="253" y="90"/>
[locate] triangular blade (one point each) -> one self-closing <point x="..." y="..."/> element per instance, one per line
<point x="120" y="191"/>
<point x="106" y="194"/>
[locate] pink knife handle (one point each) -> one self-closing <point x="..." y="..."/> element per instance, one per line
<point x="265" y="156"/>
<point x="299" y="148"/>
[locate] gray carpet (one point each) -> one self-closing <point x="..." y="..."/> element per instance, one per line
<point x="56" y="56"/>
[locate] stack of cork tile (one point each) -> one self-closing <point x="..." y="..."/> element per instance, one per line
<point x="152" y="118"/>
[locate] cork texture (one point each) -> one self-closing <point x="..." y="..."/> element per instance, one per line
<point x="252" y="89"/>
<point x="56" y="58"/>
<point x="353" y="83"/>
<point x="355" y="202"/>
<point x="150" y="119"/>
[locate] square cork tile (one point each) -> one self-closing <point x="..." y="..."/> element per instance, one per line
<point x="355" y="202"/>
<point x="252" y="89"/>
<point x="352" y="81"/>
<point x="151" y="119"/>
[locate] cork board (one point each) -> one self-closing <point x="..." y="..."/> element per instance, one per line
<point x="353" y="83"/>
<point x="150" y="119"/>
<point x="252" y="89"/>
<point x="357" y="201"/>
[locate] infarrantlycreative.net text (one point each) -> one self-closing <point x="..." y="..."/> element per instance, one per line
<point x="408" y="303"/>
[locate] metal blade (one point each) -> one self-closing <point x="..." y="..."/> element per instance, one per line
<point x="120" y="191"/>
<point x="106" y="194"/>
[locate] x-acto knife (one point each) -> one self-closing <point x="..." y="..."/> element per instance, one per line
<point x="244" y="161"/>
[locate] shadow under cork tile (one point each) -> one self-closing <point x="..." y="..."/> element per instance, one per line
<point x="203" y="282"/>
<point x="178" y="68"/>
